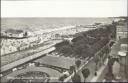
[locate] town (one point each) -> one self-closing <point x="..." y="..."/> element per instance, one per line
<point x="75" y="53"/>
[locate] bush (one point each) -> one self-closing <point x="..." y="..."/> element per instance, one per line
<point x="86" y="73"/>
<point x="86" y="43"/>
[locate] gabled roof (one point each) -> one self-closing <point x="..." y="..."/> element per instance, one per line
<point x="14" y="31"/>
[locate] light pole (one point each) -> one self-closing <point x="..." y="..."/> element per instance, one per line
<point x="123" y="62"/>
<point x="126" y="66"/>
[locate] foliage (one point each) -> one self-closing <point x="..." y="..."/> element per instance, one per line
<point x="86" y="72"/>
<point x="87" y="43"/>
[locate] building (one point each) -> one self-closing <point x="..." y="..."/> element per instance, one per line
<point x="122" y="31"/>
<point x="15" y="33"/>
<point x="123" y="54"/>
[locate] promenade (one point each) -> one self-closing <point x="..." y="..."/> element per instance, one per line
<point x="41" y="51"/>
<point x="119" y="75"/>
<point x="29" y="58"/>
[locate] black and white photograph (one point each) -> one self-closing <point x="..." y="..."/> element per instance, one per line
<point x="63" y="41"/>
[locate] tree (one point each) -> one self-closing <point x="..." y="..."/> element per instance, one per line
<point x="64" y="47"/>
<point x="72" y="69"/>
<point x="78" y="63"/>
<point x="86" y="73"/>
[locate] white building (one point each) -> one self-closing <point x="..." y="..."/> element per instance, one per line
<point x="122" y="31"/>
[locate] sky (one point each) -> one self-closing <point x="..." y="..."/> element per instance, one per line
<point x="63" y="8"/>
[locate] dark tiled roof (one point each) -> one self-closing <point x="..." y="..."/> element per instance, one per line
<point x="14" y="31"/>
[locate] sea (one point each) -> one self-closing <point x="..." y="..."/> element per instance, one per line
<point x="36" y="23"/>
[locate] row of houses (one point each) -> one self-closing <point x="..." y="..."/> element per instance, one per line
<point x="11" y="33"/>
<point x="122" y="30"/>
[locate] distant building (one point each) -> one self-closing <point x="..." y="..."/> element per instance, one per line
<point x="15" y="33"/>
<point x="122" y="31"/>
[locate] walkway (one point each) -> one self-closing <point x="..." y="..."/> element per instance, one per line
<point x="21" y="61"/>
<point x="100" y="74"/>
<point x="63" y="62"/>
<point x="22" y="57"/>
<point x="103" y="70"/>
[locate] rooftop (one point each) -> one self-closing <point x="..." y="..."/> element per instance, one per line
<point x="116" y="47"/>
<point x="13" y="31"/>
